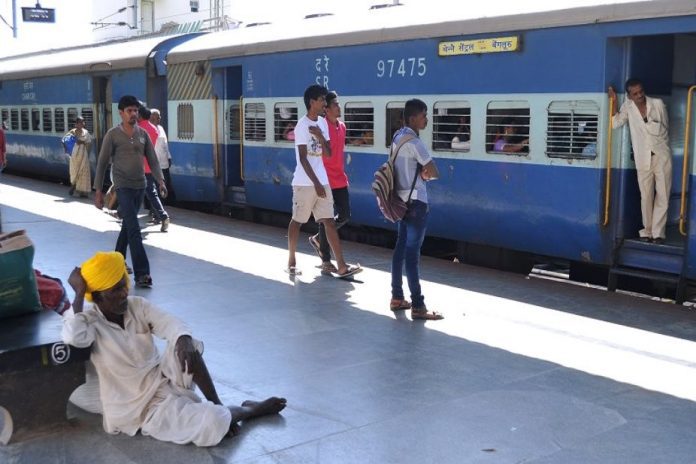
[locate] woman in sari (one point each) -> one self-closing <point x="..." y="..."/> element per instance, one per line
<point x="80" y="177"/>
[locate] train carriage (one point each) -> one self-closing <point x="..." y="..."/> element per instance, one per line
<point x="573" y="194"/>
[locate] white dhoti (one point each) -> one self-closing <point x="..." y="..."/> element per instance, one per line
<point x="655" y="187"/>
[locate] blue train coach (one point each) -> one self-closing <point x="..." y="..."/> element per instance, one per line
<point x="572" y="194"/>
<point x="42" y="94"/>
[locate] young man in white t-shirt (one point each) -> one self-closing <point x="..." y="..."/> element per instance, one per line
<point x="311" y="193"/>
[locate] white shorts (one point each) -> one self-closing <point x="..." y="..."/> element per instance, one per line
<point x="305" y="201"/>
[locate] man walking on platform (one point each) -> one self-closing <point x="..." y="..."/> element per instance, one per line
<point x="338" y="180"/>
<point x="159" y="214"/>
<point x="163" y="154"/>
<point x="311" y="193"/>
<point x="124" y="146"/>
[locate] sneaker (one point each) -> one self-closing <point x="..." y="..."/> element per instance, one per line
<point x="165" y="224"/>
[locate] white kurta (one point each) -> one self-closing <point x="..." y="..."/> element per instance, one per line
<point x="136" y="384"/>
<point x="653" y="157"/>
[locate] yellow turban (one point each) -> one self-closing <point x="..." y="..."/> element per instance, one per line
<point x="102" y="271"/>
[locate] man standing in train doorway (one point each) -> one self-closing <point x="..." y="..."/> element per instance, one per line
<point x="338" y="180"/>
<point x="124" y="147"/>
<point x="649" y="126"/>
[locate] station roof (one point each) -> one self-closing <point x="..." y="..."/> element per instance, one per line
<point x="404" y="23"/>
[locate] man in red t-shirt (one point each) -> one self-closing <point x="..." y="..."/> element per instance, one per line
<point x="160" y="216"/>
<point x="338" y="180"/>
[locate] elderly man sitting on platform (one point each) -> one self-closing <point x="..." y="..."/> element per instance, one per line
<point x="139" y="389"/>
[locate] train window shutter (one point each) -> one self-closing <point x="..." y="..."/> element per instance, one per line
<point x="359" y="118"/>
<point x="255" y="122"/>
<point x="572" y="129"/>
<point x="284" y="121"/>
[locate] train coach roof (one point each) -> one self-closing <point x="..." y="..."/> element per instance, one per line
<point x="90" y="58"/>
<point x="403" y="23"/>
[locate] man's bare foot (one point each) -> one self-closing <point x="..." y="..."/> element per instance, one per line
<point x="272" y="405"/>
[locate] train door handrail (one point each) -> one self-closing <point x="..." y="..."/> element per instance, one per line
<point x="685" y="164"/>
<point x="216" y="139"/>
<point x="241" y="138"/>
<point x="607" y="184"/>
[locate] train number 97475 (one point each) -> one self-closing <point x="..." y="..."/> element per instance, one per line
<point x="405" y="67"/>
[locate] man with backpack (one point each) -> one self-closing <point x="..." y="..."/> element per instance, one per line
<point x="413" y="166"/>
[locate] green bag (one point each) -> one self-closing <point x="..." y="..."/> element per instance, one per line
<point x="18" y="292"/>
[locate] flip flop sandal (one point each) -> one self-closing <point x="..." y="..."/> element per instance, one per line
<point x="352" y="270"/>
<point x="315" y="244"/>
<point x="144" y="281"/>
<point x="293" y="271"/>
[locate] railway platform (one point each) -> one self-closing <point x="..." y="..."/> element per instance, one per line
<point x="520" y="370"/>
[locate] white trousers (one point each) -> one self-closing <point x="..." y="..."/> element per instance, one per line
<point x="655" y="186"/>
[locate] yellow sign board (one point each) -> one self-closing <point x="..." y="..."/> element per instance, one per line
<point x="471" y="47"/>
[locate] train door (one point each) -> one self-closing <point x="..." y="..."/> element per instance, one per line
<point x="666" y="64"/>
<point x="102" y="103"/>
<point x="233" y="181"/>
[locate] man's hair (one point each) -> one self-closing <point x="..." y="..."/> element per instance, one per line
<point x="144" y="112"/>
<point x="330" y="97"/>
<point x="632" y="82"/>
<point x="313" y="92"/>
<point x="79" y="119"/>
<point x="413" y="108"/>
<point x="154" y="111"/>
<point x="126" y="101"/>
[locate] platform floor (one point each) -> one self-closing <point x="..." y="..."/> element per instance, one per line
<point x="521" y="370"/>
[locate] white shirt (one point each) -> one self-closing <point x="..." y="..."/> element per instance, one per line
<point x="162" y="148"/>
<point x="127" y="361"/>
<point x="411" y="154"/>
<point x="646" y="137"/>
<point x="314" y="151"/>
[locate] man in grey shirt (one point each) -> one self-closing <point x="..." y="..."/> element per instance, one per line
<point x="125" y="147"/>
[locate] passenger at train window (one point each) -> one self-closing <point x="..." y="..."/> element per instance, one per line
<point x="367" y="137"/>
<point x="138" y="389"/>
<point x="649" y="127"/>
<point x="507" y="140"/>
<point x="463" y="133"/>
<point x="289" y="131"/>
<point x="80" y="177"/>
<point x="311" y="191"/>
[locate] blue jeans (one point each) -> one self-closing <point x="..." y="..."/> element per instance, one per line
<point x="407" y="252"/>
<point x="153" y="197"/>
<point x="129" y="201"/>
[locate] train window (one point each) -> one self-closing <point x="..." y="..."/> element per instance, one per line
<point x="395" y="120"/>
<point x="507" y="127"/>
<point x="88" y="115"/>
<point x="14" y="119"/>
<point x="72" y="117"/>
<point x="233" y="120"/>
<point x="59" y="119"/>
<point x="184" y="117"/>
<point x="255" y="121"/>
<point x="5" y="116"/>
<point x="360" y="123"/>
<point x="47" y="120"/>
<point x="451" y="126"/>
<point x="284" y="120"/>
<point x="24" y="117"/>
<point x="35" y="119"/>
<point x="572" y="129"/>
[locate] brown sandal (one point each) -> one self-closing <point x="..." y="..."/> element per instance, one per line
<point x="397" y="304"/>
<point x="425" y="315"/>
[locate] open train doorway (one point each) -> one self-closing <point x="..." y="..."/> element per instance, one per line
<point x="102" y="99"/>
<point x="666" y="66"/>
<point x="232" y="149"/>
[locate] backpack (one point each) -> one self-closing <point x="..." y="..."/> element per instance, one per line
<point x="393" y="208"/>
